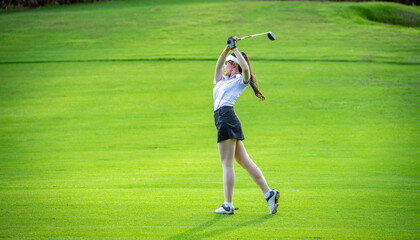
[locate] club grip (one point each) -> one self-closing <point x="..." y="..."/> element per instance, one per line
<point x="231" y="42"/>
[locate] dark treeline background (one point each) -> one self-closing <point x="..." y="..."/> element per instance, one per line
<point x="24" y="4"/>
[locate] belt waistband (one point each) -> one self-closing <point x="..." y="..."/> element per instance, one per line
<point x="224" y="108"/>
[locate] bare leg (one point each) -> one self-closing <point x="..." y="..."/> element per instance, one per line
<point x="253" y="170"/>
<point x="226" y="152"/>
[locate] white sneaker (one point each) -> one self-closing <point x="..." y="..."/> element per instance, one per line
<point x="273" y="201"/>
<point x="225" y="209"/>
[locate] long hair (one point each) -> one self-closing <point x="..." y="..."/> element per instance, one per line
<point x="253" y="80"/>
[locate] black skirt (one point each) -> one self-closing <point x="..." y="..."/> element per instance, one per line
<point x="227" y="124"/>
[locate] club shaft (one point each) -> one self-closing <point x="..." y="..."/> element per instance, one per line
<point x="252" y="35"/>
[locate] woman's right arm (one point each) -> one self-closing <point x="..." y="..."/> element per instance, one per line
<point x="218" y="74"/>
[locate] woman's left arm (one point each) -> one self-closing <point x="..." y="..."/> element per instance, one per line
<point x="245" y="68"/>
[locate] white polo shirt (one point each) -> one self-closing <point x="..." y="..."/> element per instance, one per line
<point x="227" y="91"/>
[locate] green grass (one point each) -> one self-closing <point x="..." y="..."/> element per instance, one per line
<point x="390" y="13"/>
<point x="106" y="126"/>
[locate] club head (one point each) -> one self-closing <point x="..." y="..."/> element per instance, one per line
<point x="271" y="36"/>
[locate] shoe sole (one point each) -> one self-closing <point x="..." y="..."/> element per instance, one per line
<point x="277" y="203"/>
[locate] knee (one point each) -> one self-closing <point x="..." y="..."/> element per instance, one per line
<point x="247" y="164"/>
<point x="227" y="163"/>
<point x="243" y="162"/>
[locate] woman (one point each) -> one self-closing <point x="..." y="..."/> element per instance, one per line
<point x="227" y="89"/>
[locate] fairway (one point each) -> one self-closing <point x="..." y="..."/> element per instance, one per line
<point x="107" y="132"/>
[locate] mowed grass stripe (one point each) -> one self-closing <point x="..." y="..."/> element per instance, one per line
<point x="210" y="59"/>
<point x="189" y="29"/>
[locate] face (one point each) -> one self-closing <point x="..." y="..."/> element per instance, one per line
<point x="229" y="68"/>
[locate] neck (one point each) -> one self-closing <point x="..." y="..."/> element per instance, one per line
<point x="233" y="74"/>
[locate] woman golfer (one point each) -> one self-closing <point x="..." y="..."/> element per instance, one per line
<point x="227" y="89"/>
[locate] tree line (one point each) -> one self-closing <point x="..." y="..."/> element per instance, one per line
<point x="25" y="4"/>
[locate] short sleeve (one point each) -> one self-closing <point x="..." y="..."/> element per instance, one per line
<point x="241" y="80"/>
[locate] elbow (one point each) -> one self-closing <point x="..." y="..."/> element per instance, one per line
<point x="246" y="75"/>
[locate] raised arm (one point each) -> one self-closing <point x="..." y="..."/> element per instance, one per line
<point x="244" y="65"/>
<point x="218" y="74"/>
<point x="245" y="68"/>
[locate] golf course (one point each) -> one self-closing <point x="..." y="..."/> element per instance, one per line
<point x="107" y="128"/>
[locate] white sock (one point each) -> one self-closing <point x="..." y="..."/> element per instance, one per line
<point x="229" y="204"/>
<point x="267" y="194"/>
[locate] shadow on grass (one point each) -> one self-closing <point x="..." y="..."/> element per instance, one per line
<point x="199" y="231"/>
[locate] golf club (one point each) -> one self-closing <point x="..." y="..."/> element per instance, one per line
<point x="270" y="35"/>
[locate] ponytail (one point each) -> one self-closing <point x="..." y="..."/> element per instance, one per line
<point x="254" y="86"/>
<point x="253" y="79"/>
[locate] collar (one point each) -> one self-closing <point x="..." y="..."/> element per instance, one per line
<point x="234" y="76"/>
